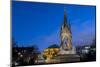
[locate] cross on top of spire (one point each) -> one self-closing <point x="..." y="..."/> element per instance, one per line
<point x="66" y="24"/>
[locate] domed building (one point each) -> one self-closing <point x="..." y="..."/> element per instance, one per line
<point x="51" y="51"/>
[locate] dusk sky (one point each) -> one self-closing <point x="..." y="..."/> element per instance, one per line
<point x="39" y="24"/>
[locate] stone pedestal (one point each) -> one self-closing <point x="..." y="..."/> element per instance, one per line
<point x="62" y="51"/>
<point x="67" y="56"/>
<point x="64" y="58"/>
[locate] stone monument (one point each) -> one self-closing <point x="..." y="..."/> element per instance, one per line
<point x="67" y="52"/>
<point x="66" y="38"/>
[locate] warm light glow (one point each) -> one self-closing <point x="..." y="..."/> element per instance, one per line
<point x="50" y="52"/>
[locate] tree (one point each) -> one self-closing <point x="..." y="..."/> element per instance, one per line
<point x="53" y="46"/>
<point x="14" y="43"/>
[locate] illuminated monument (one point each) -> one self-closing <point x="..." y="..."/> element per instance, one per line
<point x="67" y="52"/>
<point x="65" y="34"/>
<point x="66" y="38"/>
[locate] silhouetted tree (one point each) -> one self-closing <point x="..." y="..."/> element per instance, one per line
<point x="14" y="43"/>
<point x="92" y="51"/>
<point x="53" y="46"/>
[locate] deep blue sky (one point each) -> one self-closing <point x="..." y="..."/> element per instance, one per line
<point x="40" y="23"/>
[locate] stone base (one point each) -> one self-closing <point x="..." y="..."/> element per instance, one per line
<point x="67" y="58"/>
<point x="64" y="59"/>
<point x="72" y="51"/>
